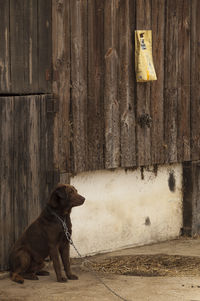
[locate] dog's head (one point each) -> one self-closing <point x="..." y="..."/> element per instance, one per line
<point x="64" y="197"/>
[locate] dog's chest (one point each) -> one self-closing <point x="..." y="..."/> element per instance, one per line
<point x="57" y="231"/>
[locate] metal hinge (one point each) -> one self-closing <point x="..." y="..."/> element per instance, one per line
<point x="52" y="104"/>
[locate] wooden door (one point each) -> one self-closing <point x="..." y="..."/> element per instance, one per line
<point x="26" y="164"/>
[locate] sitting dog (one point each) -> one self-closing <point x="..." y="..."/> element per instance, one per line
<point x="46" y="237"/>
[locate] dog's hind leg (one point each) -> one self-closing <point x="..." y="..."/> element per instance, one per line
<point x="29" y="276"/>
<point x="37" y="268"/>
<point x="20" y="264"/>
<point x="16" y="277"/>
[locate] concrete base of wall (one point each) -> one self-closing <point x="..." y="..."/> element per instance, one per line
<point x="127" y="208"/>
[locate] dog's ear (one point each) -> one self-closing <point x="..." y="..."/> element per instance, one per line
<point x="57" y="194"/>
<point x="53" y="201"/>
<point x="61" y="192"/>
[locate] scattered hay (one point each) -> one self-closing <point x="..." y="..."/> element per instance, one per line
<point x="148" y="265"/>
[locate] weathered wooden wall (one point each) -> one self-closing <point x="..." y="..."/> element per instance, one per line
<point x="83" y="52"/>
<point x="26" y="164"/>
<point x="27" y="114"/>
<point x="25" y="52"/>
<point x="104" y="102"/>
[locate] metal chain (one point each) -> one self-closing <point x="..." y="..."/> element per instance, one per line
<point x="68" y="236"/>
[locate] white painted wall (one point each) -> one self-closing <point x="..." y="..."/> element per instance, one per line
<point x="118" y="204"/>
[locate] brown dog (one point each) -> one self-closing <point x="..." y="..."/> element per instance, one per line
<point x="45" y="237"/>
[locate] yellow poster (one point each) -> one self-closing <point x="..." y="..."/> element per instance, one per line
<point x="144" y="66"/>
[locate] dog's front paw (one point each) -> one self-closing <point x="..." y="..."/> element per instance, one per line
<point x="72" y="277"/>
<point x="62" y="279"/>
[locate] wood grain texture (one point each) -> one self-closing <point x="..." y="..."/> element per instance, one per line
<point x="195" y="80"/>
<point x="61" y="83"/>
<point x="46" y="148"/>
<point x="5" y="47"/>
<point x="143" y="21"/>
<point x="30" y="46"/>
<point x="25" y="52"/>
<point x="45" y="45"/>
<point x="157" y="87"/>
<point x="171" y="81"/>
<point x="6" y="179"/>
<point x="183" y="105"/>
<point x="127" y="83"/>
<point x="45" y="179"/>
<point x="20" y="161"/>
<point x="78" y="15"/>
<point x="17" y="51"/>
<point x="111" y="98"/>
<point x="33" y="169"/>
<point x="26" y="160"/>
<point x="95" y="99"/>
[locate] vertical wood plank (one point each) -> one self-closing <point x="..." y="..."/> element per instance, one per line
<point x="6" y="180"/>
<point x="49" y="120"/>
<point x="111" y="101"/>
<point x="46" y="149"/>
<point x="45" y="183"/>
<point x="21" y="157"/>
<point x="34" y="173"/>
<point x="171" y="81"/>
<point x="143" y="21"/>
<point x="195" y="79"/>
<point x="30" y="46"/>
<point x="183" y="106"/>
<point x="45" y="45"/>
<point x="157" y="87"/>
<point x="78" y="15"/>
<point x="5" y="47"/>
<point x="17" y="45"/>
<point x="127" y="82"/>
<point x="95" y="125"/>
<point x="61" y="82"/>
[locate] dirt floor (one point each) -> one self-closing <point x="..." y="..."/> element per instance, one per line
<point x="166" y="271"/>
